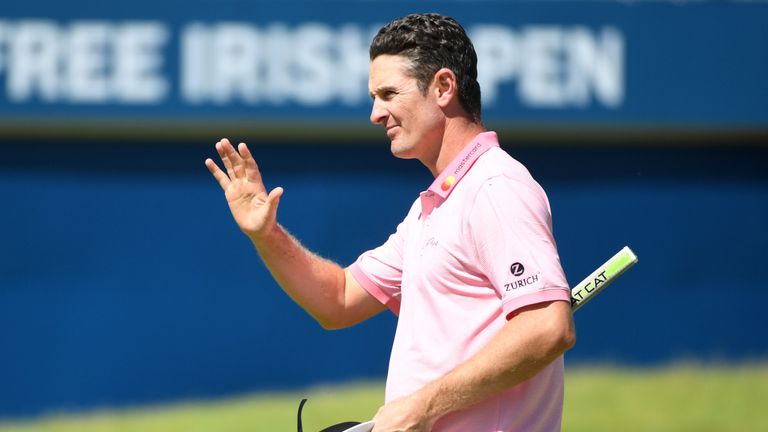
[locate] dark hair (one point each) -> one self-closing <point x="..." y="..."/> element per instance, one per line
<point x="431" y="42"/>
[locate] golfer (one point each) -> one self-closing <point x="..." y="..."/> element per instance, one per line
<point x="472" y="272"/>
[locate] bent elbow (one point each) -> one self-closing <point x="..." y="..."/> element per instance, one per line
<point x="562" y="337"/>
<point x="331" y="325"/>
<point x="328" y="323"/>
<point x="564" y="332"/>
<point x="331" y="321"/>
<point x="567" y="338"/>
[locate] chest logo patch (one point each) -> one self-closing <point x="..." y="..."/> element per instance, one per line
<point x="448" y="183"/>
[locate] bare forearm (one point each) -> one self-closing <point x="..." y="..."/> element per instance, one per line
<point x="518" y="352"/>
<point x="314" y="283"/>
<point x="503" y="364"/>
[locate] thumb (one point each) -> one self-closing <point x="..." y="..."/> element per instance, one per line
<point x="273" y="199"/>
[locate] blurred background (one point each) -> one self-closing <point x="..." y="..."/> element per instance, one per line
<point x="124" y="282"/>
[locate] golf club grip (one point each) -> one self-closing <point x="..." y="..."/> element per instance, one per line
<point x="602" y="277"/>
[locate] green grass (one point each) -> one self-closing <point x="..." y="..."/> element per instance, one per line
<point x="679" y="398"/>
<point x="675" y="398"/>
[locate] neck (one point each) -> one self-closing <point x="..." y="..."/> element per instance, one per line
<point x="457" y="134"/>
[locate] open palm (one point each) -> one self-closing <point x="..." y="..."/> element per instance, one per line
<point x="254" y="210"/>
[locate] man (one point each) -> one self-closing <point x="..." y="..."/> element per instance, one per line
<point x="472" y="271"/>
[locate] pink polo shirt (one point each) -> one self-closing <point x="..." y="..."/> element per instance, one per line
<point x="474" y="248"/>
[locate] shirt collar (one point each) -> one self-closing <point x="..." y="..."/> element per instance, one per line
<point x="444" y="184"/>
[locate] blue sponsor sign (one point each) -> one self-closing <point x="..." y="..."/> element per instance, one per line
<point x="543" y="66"/>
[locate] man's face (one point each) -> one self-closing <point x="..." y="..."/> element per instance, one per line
<point x="413" y="121"/>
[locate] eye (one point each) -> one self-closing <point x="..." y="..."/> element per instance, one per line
<point x="387" y="95"/>
<point x="384" y="94"/>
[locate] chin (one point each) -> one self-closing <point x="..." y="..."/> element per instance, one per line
<point x="401" y="150"/>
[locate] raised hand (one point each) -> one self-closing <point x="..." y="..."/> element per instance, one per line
<point x="254" y="210"/>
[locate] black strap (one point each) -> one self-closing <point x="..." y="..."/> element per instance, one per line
<point x="341" y="427"/>
<point x="301" y="406"/>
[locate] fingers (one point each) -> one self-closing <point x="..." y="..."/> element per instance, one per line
<point x="252" y="172"/>
<point x="239" y="164"/>
<point x="232" y="159"/>
<point x="223" y="147"/>
<point x="218" y="174"/>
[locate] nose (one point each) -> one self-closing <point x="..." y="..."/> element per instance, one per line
<point x="378" y="113"/>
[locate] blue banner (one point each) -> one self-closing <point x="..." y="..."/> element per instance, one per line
<point x="648" y="66"/>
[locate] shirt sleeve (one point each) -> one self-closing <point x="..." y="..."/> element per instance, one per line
<point x="511" y="228"/>
<point x="379" y="271"/>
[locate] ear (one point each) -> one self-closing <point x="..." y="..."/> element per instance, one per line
<point x="446" y="87"/>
